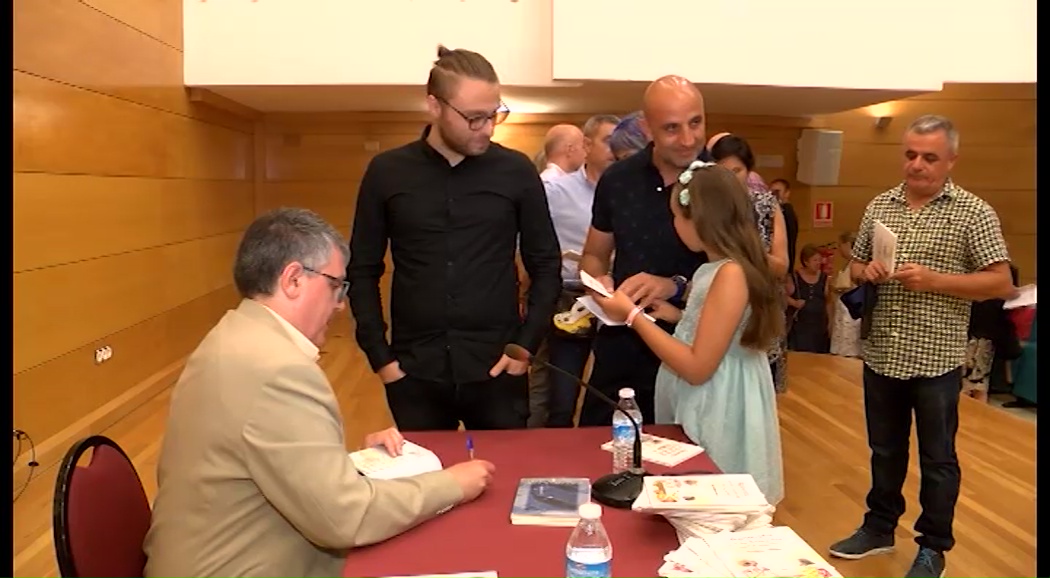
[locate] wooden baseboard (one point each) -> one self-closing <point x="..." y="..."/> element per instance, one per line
<point x="50" y="452"/>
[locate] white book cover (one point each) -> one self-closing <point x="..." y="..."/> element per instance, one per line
<point x="378" y="464"/>
<point x="707" y="492"/>
<point x="884" y="246"/>
<point x="773" y="551"/>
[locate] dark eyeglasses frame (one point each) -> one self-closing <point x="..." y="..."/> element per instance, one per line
<point x="340" y="285"/>
<point x="477" y="122"/>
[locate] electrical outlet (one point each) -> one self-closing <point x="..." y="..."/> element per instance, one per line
<point x="103" y="354"/>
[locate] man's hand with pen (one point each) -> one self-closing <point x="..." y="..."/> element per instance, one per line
<point x="473" y="476"/>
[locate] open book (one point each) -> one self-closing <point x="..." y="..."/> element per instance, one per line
<point x="377" y="463"/>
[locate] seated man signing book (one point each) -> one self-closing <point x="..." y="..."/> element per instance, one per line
<point x="254" y="477"/>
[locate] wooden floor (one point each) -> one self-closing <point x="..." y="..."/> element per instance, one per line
<point x="825" y="463"/>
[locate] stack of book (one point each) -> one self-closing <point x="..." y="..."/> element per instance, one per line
<point x="706" y="504"/>
<point x="773" y="551"/>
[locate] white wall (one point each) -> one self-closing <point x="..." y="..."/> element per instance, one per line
<point x="874" y="44"/>
<point x="863" y="44"/>
<point x="245" y="42"/>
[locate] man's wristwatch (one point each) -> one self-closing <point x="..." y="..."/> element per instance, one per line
<point x="680" y="284"/>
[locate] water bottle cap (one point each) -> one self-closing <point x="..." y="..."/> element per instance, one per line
<point x="627" y="392"/>
<point x="590" y="511"/>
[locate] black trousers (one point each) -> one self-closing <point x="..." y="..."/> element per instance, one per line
<point x="888" y="407"/>
<point x="498" y="403"/>
<point x="621" y="359"/>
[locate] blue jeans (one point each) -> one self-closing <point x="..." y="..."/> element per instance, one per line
<point x="888" y="407"/>
<point x="570" y="354"/>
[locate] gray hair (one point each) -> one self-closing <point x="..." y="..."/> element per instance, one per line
<point x="280" y="237"/>
<point x="590" y="128"/>
<point x="931" y="123"/>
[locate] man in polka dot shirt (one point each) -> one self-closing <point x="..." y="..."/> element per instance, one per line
<point x="631" y="215"/>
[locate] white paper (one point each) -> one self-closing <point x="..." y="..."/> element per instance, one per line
<point x="1025" y="297"/>
<point x="594" y="284"/>
<point x="884" y="246"/>
<point x="592" y="306"/>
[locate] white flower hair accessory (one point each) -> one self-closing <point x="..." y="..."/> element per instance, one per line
<point x="686" y="177"/>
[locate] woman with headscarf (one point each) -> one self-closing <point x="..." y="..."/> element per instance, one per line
<point x="734" y="153"/>
<point x="628" y="137"/>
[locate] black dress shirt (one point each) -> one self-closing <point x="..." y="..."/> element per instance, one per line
<point x="632" y="202"/>
<point x="453" y="232"/>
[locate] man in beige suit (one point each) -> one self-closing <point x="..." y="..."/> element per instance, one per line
<point x="254" y="477"/>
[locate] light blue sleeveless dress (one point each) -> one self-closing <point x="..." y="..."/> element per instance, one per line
<point x="733" y="416"/>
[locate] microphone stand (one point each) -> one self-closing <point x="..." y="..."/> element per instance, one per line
<point x="616" y="490"/>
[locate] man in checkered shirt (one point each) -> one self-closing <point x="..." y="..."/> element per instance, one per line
<point x="951" y="252"/>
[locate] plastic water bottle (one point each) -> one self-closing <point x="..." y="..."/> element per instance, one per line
<point x="589" y="551"/>
<point x="623" y="431"/>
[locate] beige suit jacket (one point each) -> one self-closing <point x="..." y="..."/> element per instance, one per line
<point x="254" y="477"/>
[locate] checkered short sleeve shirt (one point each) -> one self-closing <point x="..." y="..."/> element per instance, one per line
<point x="919" y="334"/>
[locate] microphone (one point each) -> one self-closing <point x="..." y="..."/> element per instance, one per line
<point x="614" y="490"/>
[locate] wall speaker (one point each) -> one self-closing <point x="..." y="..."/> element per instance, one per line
<point x="819" y="157"/>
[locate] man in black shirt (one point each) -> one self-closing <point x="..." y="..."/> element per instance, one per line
<point x="782" y="191"/>
<point x="452" y="207"/>
<point x="632" y="215"/>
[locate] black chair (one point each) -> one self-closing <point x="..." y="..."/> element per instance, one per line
<point x="100" y="513"/>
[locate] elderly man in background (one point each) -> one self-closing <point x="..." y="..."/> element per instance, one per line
<point x="951" y="249"/>
<point x="254" y="477"/>
<point x="565" y="150"/>
<point x="552" y="396"/>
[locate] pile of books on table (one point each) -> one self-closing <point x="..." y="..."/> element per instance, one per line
<point x="760" y="552"/>
<point x="706" y="504"/>
<point x="724" y="526"/>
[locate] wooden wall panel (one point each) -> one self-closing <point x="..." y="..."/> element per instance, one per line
<point x="52" y="395"/>
<point x="153" y="77"/>
<point x="125" y="214"/>
<point x="316" y="160"/>
<point x="129" y="200"/>
<point x="997" y="160"/>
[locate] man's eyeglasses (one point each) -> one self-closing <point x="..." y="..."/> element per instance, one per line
<point x="477" y="121"/>
<point x="340" y="285"/>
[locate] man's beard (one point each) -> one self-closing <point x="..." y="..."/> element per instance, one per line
<point x="461" y="146"/>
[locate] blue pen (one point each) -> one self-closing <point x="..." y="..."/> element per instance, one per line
<point x="470" y="446"/>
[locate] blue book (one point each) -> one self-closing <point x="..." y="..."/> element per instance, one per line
<point x="549" y="501"/>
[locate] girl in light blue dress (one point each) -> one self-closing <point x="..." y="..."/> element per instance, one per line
<point x="715" y="379"/>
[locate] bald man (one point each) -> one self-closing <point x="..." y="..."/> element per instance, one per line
<point x="565" y="151"/>
<point x="631" y="214"/>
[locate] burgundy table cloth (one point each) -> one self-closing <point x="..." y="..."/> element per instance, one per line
<point x="478" y="536"/>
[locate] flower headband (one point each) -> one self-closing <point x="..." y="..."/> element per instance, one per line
<point x="685" y="177"/>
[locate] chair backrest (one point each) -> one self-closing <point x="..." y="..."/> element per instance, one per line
<point x="100" y="514"/>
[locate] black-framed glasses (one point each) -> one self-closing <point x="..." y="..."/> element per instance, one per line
<point x="340" y="285"/>
<point x="477" y="121"/>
